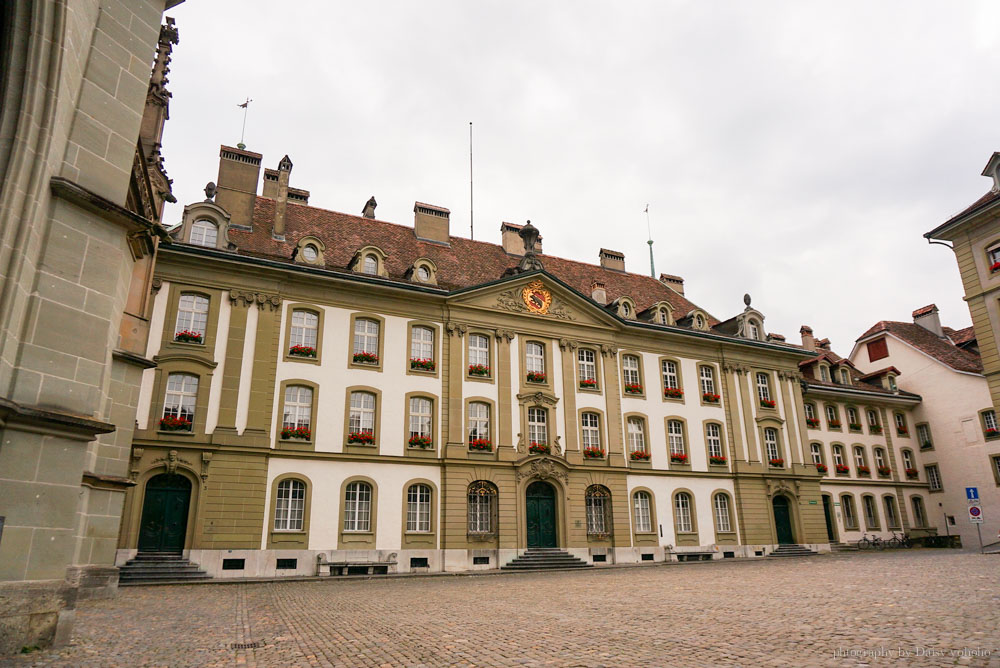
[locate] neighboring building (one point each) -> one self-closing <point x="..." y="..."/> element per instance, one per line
<point x="339" y="388"/>
<point x="82" y="190"/>
<point x="955" y="425"/>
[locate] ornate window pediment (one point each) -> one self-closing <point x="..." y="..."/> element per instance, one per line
<point x="310" y="250"/>
<point x="370" y="260"/>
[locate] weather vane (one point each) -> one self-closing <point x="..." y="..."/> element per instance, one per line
<point x="245" y="106"/>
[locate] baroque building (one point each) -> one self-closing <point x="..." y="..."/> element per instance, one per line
<point x="337" y="393"/>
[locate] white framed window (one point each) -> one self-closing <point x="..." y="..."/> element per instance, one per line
<point x="675" y="437"/>
<point x="192" y="314"/>
<point x="305" y="325"/>
<point x="707" y="374"/>
<point x="534" y="357"/>
<point x="310" y="252"/>
<point x="933" y="477"/>
<point x="810" y="411"/>
<point x="420" y="416"/>
<point x="682" y="513"/>
<point x="763" y="386"/>
<point x="845" y="377"/>
<point x="591" y="425"/>
<point x="479" y="421"/>
<point x="699" y="321"/>
<point x="636" y="434"/>
<point x="423" y="273"/>
<point x="181" y="396"/>
<point x="205" y="233"/>
<point x="859" y="456"/>
<point x="919" y="516"/>
<point x="418" y="508"/>
<point x="643" y="520"/>
<point x="482" y="505"/>
<point x="713" y="437"/>
<point x="362" y="416"/>
<point x="358" y="507"/>
<point x="771" y="443"/>
<point x="850" y="519"/>
<point x="586" y="364"/>
<point x="824" y="373"/>
<point x="872" y="418"/>
<point x="370" y="265"/>
<point x="924" y="435"/>
<point x="722" y="519"/>
<point x="879" y="457"/>
<point x="598" y="500"/>
<point x="852" y="415"/>
<point x="663" y="317"/>
<point x="366" y="336"/>
<point x="907" y="459"/>
<point x="421" y="343"/>
<point x="891" y="517"/>
<point x="630" y="369"/>
<point x="753" y="329"/>
<point x="831" y="414"/>
<point x="289" y="505"/>
<point x="817" y="453"/>
<point x="670" y="377"/>
<point x="838" y="455"/>
<point x="298" y="407"/>
<point x="892" y="383"/>
<point x="990" y="419"/>
<point x="479" y="349"/>
<point x="538" y="430"/>
<point x="626" y="310"/>
<point x="900" y="421"/>
<point x="871" y="512"/>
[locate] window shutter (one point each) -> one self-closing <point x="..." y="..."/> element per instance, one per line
<point x="877" y="350"/>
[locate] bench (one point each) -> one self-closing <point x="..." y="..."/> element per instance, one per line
<point x="353" y="566"/>
<point x="695" y="556"/>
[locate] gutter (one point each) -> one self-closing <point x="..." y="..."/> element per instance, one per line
<point x="819" y="389"/>
<point x="961" y="218"/>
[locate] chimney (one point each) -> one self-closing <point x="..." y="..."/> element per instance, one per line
<point x="510" y="239"/>
<point x="598" y="292"/>
<point x="675" y="282"/>
<point x="237" y="184"/>
<point x="270" y="183"/>
<point x="612" y="259"/>
<point x="823" y="344"/>
<point x="298" y="196"/>
<point x="369" y="210"/>
<point x="927" y="317"/>
<point x="430" y="223"/>
<point x="808" y="342"/>
<point x="775" y="337"/>
<point x="281" y="199"/>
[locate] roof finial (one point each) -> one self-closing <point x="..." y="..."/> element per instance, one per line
<point x="649" y="230"/>
<point x="746" y="299"/>
<point x="243" y="132"/>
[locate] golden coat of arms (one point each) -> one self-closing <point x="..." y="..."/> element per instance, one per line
<point x="536" y="297"/>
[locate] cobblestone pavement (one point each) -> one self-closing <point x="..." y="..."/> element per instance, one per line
<point x="751" y="613"/>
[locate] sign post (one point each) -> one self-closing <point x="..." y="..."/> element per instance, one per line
<point x="976" y="517"/>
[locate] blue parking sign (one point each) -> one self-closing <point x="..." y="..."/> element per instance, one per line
<point x="971" y="493"/>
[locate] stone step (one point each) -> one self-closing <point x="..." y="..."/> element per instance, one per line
<point x="785" y="551"/>
<point x="548" y="558"/>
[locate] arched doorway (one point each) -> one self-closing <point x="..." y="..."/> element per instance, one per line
<point x="165" y="513"/>
<point x="541" y="514"/>
<point x="783" y="520"/>
<point x="831" y="530"/>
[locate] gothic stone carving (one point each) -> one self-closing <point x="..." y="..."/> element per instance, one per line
<point x="782" y="486"/>
<point x="171" y="461"/>
<point x="455" y="329"/>
<point x="608" y="350"/>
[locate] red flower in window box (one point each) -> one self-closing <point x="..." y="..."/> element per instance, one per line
<point x="418" y="441"/>
<point x="990" y="433"/>
<point x="834" y="424"/>
<point x="639" y="456"/>
<point x="884" y="470"/>
<point x="303" y="433"/>
<point x="875" y="428"/>
<point x="421" y="364"/>
<point x="767" y="403"/>
<point x="588" y="384"/>
<point x="679" y="457"/>
<point x="361" y="438"/>
<point x="710" y="398"/>
<point x="365" y="358"/>
<point x="673" y="393"/>
<point x="536" y="377"/>
<point x="633" y="388"/>
<point x="302" y="351"/>
<point x="777" y="462"/>
<point x="171" y="423"/>
<point x="821" y="467"/>
<point x="813" y="423"/>
<point x="843" y="469"/>
<point x="995" y="266"/>
<point x="593" y="452"/>
<point x="188" y="336"/>
<point x="854" y="426"/>
<point x="479" y="370"/>
<point x="539" y="448"/>
<point x="481" y="445"/>
<point x="912" y="474"/>
<point x="717" y="459"/>
<point x="864" y="470"/>
<point x="902" y="431"/>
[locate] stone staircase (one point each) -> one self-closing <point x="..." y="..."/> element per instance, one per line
<point x="159" y="568"/>
<point x="544" y="558"/>
<point x="843" y="547"/>
<point x="792" y="551"/>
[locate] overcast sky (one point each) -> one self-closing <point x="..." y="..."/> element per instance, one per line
<point x="793" y="150"/>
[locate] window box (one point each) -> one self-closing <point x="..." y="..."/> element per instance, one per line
<point x="820" y="468"/>
<point x="361" y="438"/>
<point x="995" y="267"/>
<point x="678" y="458"/>
<point x="302" y="351"/>
<point x="777" y="463"/>
<point x="843" y="469"/>
<point x="421" y="364"/>
<point x="710" y="398"/>
<point x="187" y="336"/>
<point x="588" y="384"/>
<point x="301" y="433"/>
<point x="834" y="424"/>
<point x="365" y="358"/>
<point x="673" y="393"/>
<point x="912" y="474"/>
<point x="479" y="370"/>
<point x="884" y="471"/>
<point x="991" y="433"/>
<point x="767" y="403"/>
<point x="481" y="445"/>
<point x="593" y="453"/>
<point x="423" y="442"/>
<point x="854" y="426"/>
<point x="902" y="431"/>
<point x="633" y="389"/>
<point x="639" y="456"/>
<point x="864" y="470"/>
<point x="717" y="460"/>
<point x="812" y="423"/>
<point x="875" y="428"/>
<point x="171" y="423"/>
<point x="539" y="448"/>
<point x="536" y="377"/>
<point x="926" y="445"/>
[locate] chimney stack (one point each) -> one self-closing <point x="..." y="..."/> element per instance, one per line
<point x="808" y="341"/>
<point x="237" y="184"/>
<point x="823" y="344"/>
<point x="369" y="210"/>
<point x="927" y="317"/>
<point x="674" y="282"/>
<point x="598" y="292"/>
<point x="513" y="244"/>
<point x="281" y="200"/>
<point x="612" y="260"/>
<point x="430" y="222"/>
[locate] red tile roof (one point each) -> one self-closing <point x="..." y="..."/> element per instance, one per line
<point x="983" y="201"/>
<point x="924" y="310"/>
<point x="881" y="372"/>
<point x="960" y="336"/>
<point x="942" y="350"/>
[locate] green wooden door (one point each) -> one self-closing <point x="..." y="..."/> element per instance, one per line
<point x="783" y="520"/>
<point x="164" y="514"/>
<point x="828" y="514"/>
<point x="541" y="508"/>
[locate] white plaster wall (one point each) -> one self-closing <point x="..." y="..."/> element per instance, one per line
<point x="152" y="349"/>
<point x="702" y="489"/>
<point x="515" y="414"/>
<point x="853" y="535"/>
<point x="221" y="345"/>
<point x="246" y="370"/>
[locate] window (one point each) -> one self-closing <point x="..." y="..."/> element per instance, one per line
<point x="900" y="423"/>
<point x="850" y="516"/>
<point x="366" y="336"/>
<point x="845" y="377"/>
<point x="832" y="418"/>
<point x="996" y="467"/>
<point x="891" y="516"/>
<point x="305" y="325"/>
<point x="722" y="521"/>
<point x="877" y="350"/>
<point x="871" y="512"/>
<point x="707" y="380"/>
<point x="682" y="513"/>
<point x="817" y="453"/>
<point x="310" y="253"/>
<point x="421" y="343"/>
<point x="482" y="507"/>
<point x="538" y="431"/>
<point x="907" y="459"/>
<point x="754" y="330"/>
<point x="699" y="321"/>
<point x="534" y="357"/>
<point x="205" y="233"/>
<point x="598" y="500"/>
<point x="192" y="316"/>
<point x="643" y="520"/>
<point x="763" y="387"/>
<point x="824" y="373"/>
<point x="924" y="436"/>
<point x="587" y="367"/>
<point x="933" y="477"/>
<point x="418" y="508"/>
<point x="663" y="317"/>
<point x="670" y="376"/>
<point x="630" y="369"/>
<point x="590" y="424"/>
<point x="675" y="437"/>
<point x="859" y="456"/>
<point x="771" y="443"/>
<point x="289" y="505"/>
<point x="879" y="457"/>
<point x="892" y="382"/>
<point x="479" y="350"/>
<point x="420" y="417"/>
<point x="362" y="416"/>
<point x="370" y="265"/>
<point x="180" y="399"/>
<point x="838" y="455"/>
<point x="872" y="418"/>
<point x="919" y="516"/>
<point x="636" y="435"/>
<point x="993" y="254"/>
<point x="713" y="437"/>
<point x="297" y="412"/>
<point x="990" y="421"/>
<point x="852" y="415"/>
<point x="626" y="310"/>
<point x="358" y="507"/>
<point x="423" y="273"/>
<point x="810" y="412"/>
<point x="479" y="421"/>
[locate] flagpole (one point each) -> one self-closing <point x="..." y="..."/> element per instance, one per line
<point x="649" y="230"/>
<point x="245" y="107"/>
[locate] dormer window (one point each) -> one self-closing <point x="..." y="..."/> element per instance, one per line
<point x="423" y="274"/>
<point x="699" y="321"/>
<point x="310" y="252"/>
<point x="845" y="377"/>
<point x="824" y="373"/>
<point x="204" y="233"/>
<point x="892" y="382"/>
<point x="626" y="309"/>
<point x="370" y="265"/>
<point x="663" y="317"/>
<point x="754" y="330"/>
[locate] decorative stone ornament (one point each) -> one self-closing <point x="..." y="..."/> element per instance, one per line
<point x="536" y="297"/>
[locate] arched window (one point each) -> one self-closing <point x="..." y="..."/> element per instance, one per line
<point x="482" y="508"/>
<point x="370" y="265"/>
<point x="630" y="371"/>
<point x="587" y="367"/>
<point x="362" y="417"/>
<point x="850" y="516"/>
<point x="675" y="437"/>
<point x="423" y="273"/>
<point x="891" y="516"/>
<point x="179" y="402"/>
<point x="852" y="418"/>
<point x="305" y="325"/>
<point x="832" y="416"/>
<point x="810" y="411"/>
<point x="663" y="316"/>
<point x="845" y="377"/>
<point x="670" y="378"/>
<point x="310" y="252"/>
<point x="192" y="318"/>
<point x="205" y="233"/>
<point x="643" y="519"/>
<point x="538" y="431"/>
<point x="534" y="358"/>
<point x="838" y="455"/>
<point x="626" y="310"/>
<point x="699" y="321"/>
<point x="763" y="387"/>
<point x="817" y="453"/>
<point x="872" y="418"/>
<point x="707" y="380"/>
<point x="871" y="511"/>
<point x="420" y="418"/>
<point x="682" y="513"/>
<point x="901" y="424"/>
<point x="723" y="523"/>
<point x="366" y="337"/>
<point x="479" y="421"/>
<point x="289" y="505"/>
<point x="753" y="329"/>
<point x="919" y="516"/>
<point x="879" y="457"/>
<point x="421" y="343"/>
<point x="713" y="437"/>
<point x="358" y="507"/>
<point x="824" y="373"/>
<point x="418" y="508"/>
<point x="908" y="460"/>
<point x="636" y="434"/>
<point x="859" y="456"/>
<point x="598" y="500"/>
<point x="590" y="424"/>
<point x="771" y="443"/>
<point x="297" y="412"/>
